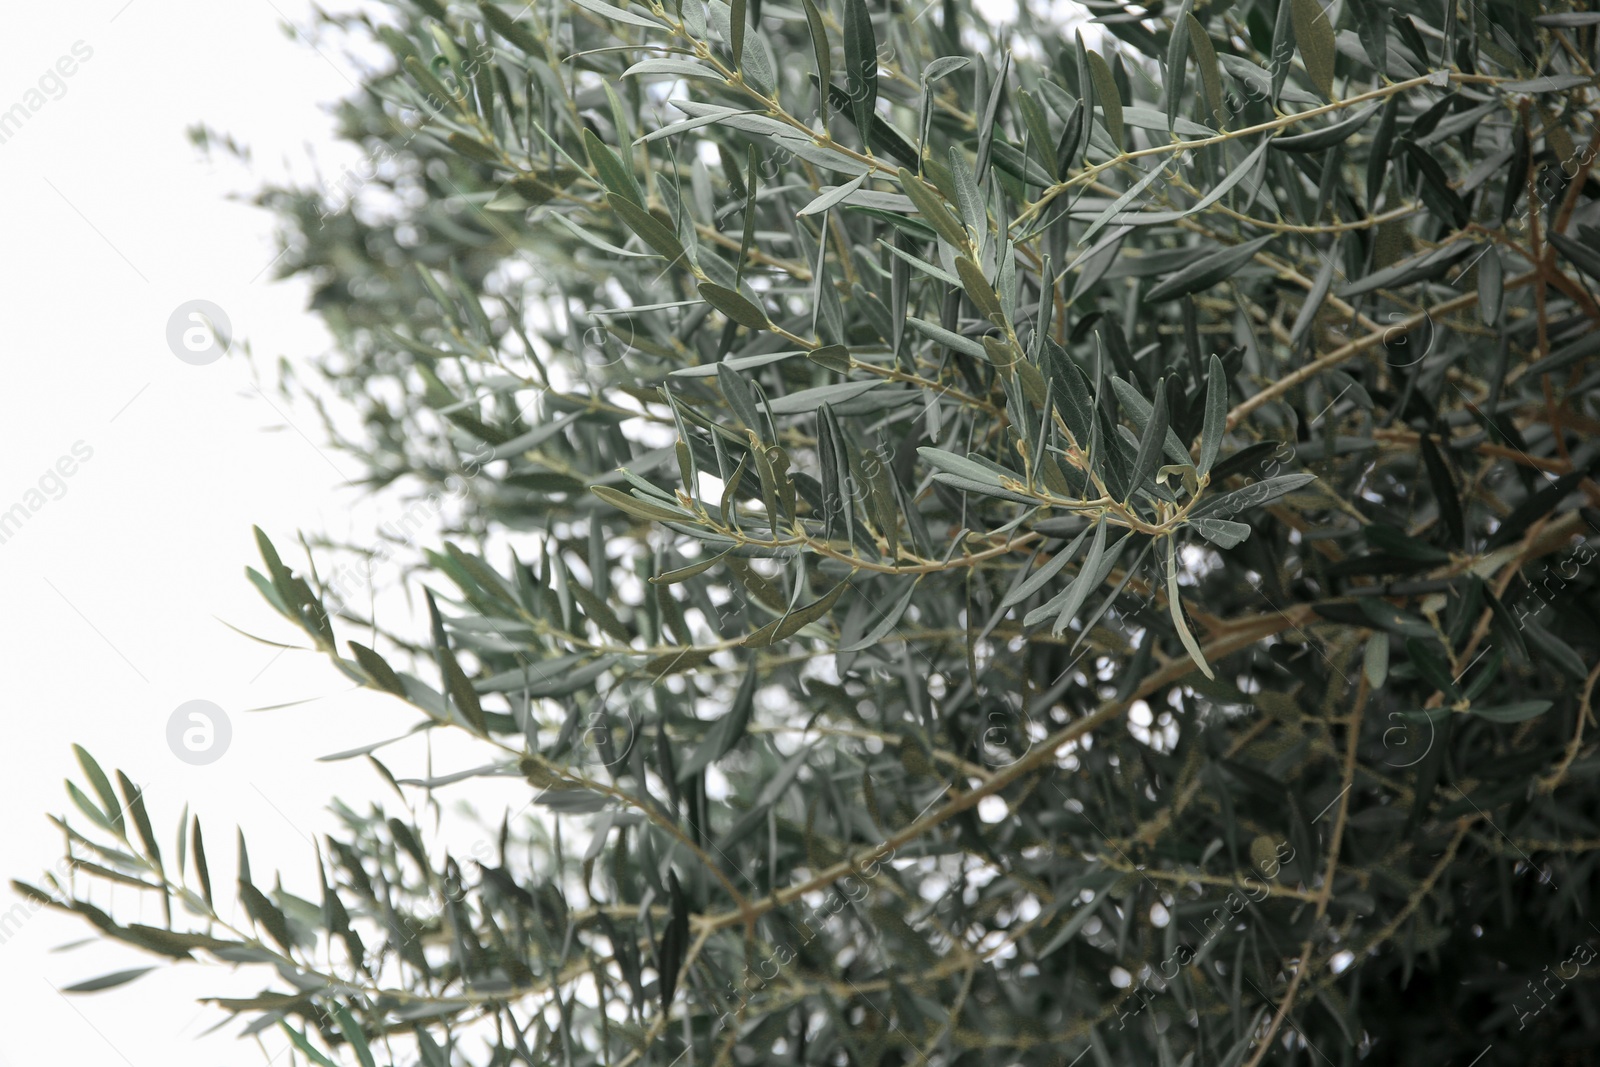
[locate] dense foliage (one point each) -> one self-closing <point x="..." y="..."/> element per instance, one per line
<point x="984" y="550"/>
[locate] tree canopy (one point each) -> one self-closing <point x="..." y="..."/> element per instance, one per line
<point x="983" y="549"/>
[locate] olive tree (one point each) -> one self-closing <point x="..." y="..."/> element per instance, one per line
<point x="1061" y="540"/>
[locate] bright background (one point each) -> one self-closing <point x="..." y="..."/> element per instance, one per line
<point x="114" y="596"/>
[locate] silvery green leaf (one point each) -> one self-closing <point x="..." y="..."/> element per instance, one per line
<point x="1223" y="533"/>
<point x="1252" y="496"/>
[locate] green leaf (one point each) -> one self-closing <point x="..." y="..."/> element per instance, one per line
<point x="861" y="62"/>
<point x="1585" y="257"/>
<point x="1140" y="410"/>
<point x="738" y="22"/>
<point x="886" y="622"/>
<point x="1216" y="417"/>
<point x="1521" y="711"/>
<point x="201" y="869"/>
<point x="734" y="306"/>
<point x="102" y="788"/>
<point x="88" y="807"/>
<point x="615" y="175"/>
<point x="1151" y="442"/>
<point x="932" y="208"/>
<point x="1315" y="298"/>
<point x="979" y="289"/>
<point x="301" y="1042"/>
<point x="821" y="50"/>
<point x="832" y="196"/>
<point x="649" y="229"/>
<point x="1175" y="609"/>
<point x="1106" y="95"/>
<point x="1252" y="496"/>
<point x="378" y="669"/>
<point x="1207" y="271"/>
<point x="683" y="574"/>
<point x="1375" y="659"/>
<point x="1328" y="136"/>
<point x="727" y="732"/>
<point x="1426" y="265"/>
<point x="638" y="508"/>
<point x="513" y="30"/>
<point x="108" y="981"/>
<point x="353" y="1034"/>
<point x="1378" y="153"/>
<point x="1444" y="492"/>
<point x="1491" y="285"/>
<point x="1224" y="533"/>
<point x="617" y="14"/>
<point x="265" y="913"/>
<point x="1428" y="658"/>
<point x="1115" y="210"/>
<point x="133" y="798"/>
<point x="1205" y="59"/>
<point x="1313" y="33"/>
<point x="797" y="620"/>
<point x="1177" y="62"/>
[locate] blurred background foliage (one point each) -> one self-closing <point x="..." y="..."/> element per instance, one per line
<point x="984" y="549"/>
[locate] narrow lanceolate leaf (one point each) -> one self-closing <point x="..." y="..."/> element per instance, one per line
<point x="979" y="289"/>
<point x="932" y="208"/>
<point x="830" y="197"/>
<point x="1252" y="496"/>
<point x="1224" y="533"/>
<point x="735" y="306"/>
<point x="615" y="175"/>
<point x="353" y="1034"/>
<point x="1491" y="285"/>
<point x="889" y="618"/>
<point x="1328" y="136"/>
<point x="1177" y="63"/>
<point x="133" y="798"/>
<point x="641" y="509"/>
<point x="1320" y="287"/>
<point x="1152" y="441"/>
<point x="108" y="981"/>
<point x="1106" y="95"/>
<point x="1175" y="609"/>
<point x="102" y="787"/>
<point x="796" y="620"/>
<point x="1140" y="411"/>
<point x="1444" y="492"/>
<point x="1216" y="417"/>
<point x="1378" y="153"/>
<point x="1521" y="711"/>
<point x="821" y="49"/>
<point x="861" y="63"/>
<point x="307" y="1049"/>
<point x="1133" y="193"/>
<point x="738" y="22"/>
<point x="1208" y="271"/>
<point x="1065" y="604"/>
<point x="1205" y="60"/>
<point x="1035" y="581"/>
<point x="1375" y="659"/>
<point x="202" y="869"/>
<point x="378" y="669"/>
<point x="1245" y="171"/>
<point x="728" y="731"/>
<point x="1313" y="33"/>
<point x="617" y="14"/>
<point x="649" y="229"/>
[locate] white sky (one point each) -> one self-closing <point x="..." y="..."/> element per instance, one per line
<point x="112" y="593"/>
